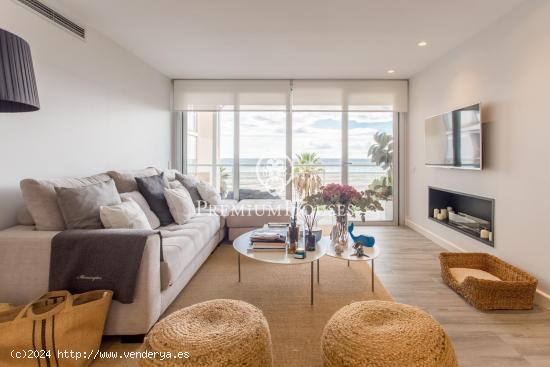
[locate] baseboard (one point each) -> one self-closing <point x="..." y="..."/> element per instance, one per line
<point x="542" y="299"/>
<point x="446" y="244"/>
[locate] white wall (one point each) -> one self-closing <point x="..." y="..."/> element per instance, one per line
<point x="101" y="108"/>
<point x="507" y="69"/>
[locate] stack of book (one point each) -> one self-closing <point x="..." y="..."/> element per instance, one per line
<point x="268" y="240"/>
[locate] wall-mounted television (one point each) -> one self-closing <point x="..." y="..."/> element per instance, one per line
<point x="454" y="139"/>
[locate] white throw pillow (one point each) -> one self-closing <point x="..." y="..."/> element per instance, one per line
<point x="180" y="204"/>
<point x="154" y="221"/>
<point x="209" y="193"/>
<point x="127" y="215"/>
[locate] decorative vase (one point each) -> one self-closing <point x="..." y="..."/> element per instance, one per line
<point x="310" y="241"/>
<point x="340" y="233"/>
<point x="291" y="248"/>
<point x="293" y="234"/>
<point x="318" y="233"/>
<point x="339" y="248"/>
<point x="292" y="239"/>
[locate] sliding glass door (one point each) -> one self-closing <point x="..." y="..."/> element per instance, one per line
<point x="262" y="155"/>
<point x="316" y="151"/>
<point x="370" y="166"/>
<point x="209" y="148"/>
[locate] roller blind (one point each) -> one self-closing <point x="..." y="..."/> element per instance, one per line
<point x="216" y="95"/>
<point x="352" y="95"/>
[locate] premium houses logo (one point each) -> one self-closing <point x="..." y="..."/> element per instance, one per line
<point x="271" y="173"/>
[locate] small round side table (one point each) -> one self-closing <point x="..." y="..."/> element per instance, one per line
<point x="371" y="254"/>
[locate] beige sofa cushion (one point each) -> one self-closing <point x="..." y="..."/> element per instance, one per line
<point x="181" y="243"/>
<point x="24" y="217"/>
<point x="125" y="181"/>
<point x="178" y="253"/>
<point x="234" y="232"/>
<point x="41" y="200"/>
<point x="460" y="274"/>
<point x="203" y="226"/>
<point x="256" y="213"/>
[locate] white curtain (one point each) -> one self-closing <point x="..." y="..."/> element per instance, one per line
<point x="216" y="95"/>
<point x="352" y="95"/>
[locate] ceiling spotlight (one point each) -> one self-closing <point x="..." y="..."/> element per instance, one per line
<point x="391" y="71"/>
<point x="422" y="43"/>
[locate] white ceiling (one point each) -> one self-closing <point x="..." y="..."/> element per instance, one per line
<point x="287" y="38"/>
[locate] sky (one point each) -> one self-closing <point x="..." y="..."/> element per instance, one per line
<point x="263" y="133"/>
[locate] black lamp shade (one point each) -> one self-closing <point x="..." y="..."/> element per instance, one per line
<point x="18" y="91"/>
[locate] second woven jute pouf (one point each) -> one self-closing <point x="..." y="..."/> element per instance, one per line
<point x="217" y="333"/>
<point x="385" y="334"/>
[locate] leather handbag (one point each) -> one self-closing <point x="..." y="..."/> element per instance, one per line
<point x="58" y="329"/>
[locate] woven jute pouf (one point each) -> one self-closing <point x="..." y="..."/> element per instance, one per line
<point x="385" y="334"/>
<point x="217" y="333"/>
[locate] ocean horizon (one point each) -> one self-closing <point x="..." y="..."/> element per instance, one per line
<point x="361" y="172"/>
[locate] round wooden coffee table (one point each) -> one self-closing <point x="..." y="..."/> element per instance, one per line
<point x="371" y="254"/>
<point x="242" y="245"/>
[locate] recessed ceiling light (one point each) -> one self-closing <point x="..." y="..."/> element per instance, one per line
<point x="391" y="71"/>
<point x="422" y="43"/>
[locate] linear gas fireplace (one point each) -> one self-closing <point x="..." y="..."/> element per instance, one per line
<point x="471" y="215"/>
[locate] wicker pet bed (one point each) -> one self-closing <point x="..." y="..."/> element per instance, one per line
<point x="505" y="287"/>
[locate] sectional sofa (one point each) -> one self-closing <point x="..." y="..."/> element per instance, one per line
<point x="25" y="251"/>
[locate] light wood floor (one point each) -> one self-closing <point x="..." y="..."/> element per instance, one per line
<point x="409" y="269"/>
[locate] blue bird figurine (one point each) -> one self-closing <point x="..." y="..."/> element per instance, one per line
<point x="367" y="241"/>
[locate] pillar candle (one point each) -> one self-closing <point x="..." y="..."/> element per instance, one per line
<point x="443" y="213"/>
<point x="436" y="212"/>
<point x="484" y="234"/>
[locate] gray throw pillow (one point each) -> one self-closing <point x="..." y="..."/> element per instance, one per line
<point x="80" y="205"/>
<point x="190" y="183"/>
<point x="152" y="189"/>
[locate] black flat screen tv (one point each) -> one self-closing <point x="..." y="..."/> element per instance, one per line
<point x="454" y="139"/>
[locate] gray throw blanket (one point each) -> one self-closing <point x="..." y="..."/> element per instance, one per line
<point x="85" y="260"/>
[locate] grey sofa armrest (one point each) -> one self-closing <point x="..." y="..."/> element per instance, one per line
<point x="138" y="317"/>
<point x="25" y="263"/>
<point x="25" y="266"/>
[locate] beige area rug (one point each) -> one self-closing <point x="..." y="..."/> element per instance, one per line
<point x="282" y="292"/>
